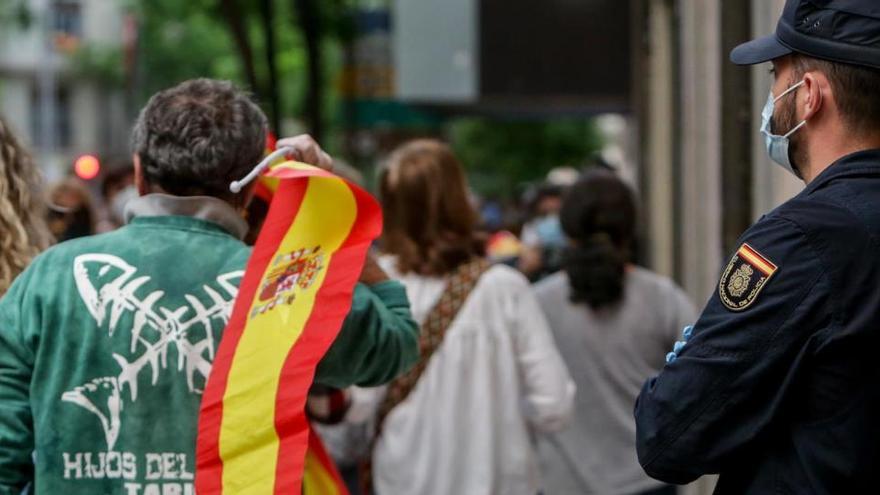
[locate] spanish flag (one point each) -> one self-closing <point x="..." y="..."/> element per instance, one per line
<point x="296" y="292"/>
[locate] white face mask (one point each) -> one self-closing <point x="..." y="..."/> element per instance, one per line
<point x="777" y="146"/>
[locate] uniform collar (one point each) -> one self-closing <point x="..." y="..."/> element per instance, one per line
<point x="858" y="163"/>
<point x="204" y="208"/>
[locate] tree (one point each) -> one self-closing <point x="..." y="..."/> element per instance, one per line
<point x="281" y="50"/>
<point x="502" y="155"/>
<point x="232" y="14"/>
<point x="183" y="40"/>
<point x="267" y="15"/>
<point x="264" y="84"/>
<point x="15" y="13"/>
<point x="312" y="29"/>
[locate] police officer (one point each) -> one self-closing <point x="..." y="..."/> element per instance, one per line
<point x="778" y="385"/>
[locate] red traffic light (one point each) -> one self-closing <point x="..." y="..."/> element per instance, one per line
<point x="87" y="167"/>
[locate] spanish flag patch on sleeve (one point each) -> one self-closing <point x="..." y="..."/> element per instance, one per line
<point x="745" y="276"/>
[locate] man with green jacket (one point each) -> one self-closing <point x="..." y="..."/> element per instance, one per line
<point x="106" y="342"/>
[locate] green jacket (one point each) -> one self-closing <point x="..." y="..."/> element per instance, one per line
<point x="106" y="343"/>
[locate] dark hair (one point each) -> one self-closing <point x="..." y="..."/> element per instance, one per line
<point x="430" y="224"/>
<point x="539" y="193"/>
<point x="197" y="137"/>
<point x="120" y="172"/>
<point x="855" y="90"/>
<point x="599" y="217"/>
<point x="71" y="210"/>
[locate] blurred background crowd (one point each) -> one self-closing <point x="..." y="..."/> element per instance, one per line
<point x="631" y="103"/>
<point x="641" y="86"/>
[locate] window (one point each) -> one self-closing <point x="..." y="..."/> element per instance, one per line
<point x="68" y="17"/>
<point x="61" y="127"/>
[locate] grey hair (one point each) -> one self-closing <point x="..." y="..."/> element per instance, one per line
<point x="197" y="137"/>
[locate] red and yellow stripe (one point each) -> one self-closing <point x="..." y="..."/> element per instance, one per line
<point x="752" y="257"/>
<point x="253" y="432"/>
<point x="321" y="476"/>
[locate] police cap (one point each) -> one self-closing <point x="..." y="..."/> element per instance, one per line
<point x="846" y="31"/>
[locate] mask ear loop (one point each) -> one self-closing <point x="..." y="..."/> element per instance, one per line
<point x="789" y="90"/>
<point x="238" y="185"/>
<point x="797" y="128"/>
<point x="784" y="93"/>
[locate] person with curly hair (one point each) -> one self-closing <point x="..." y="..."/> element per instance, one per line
<point x="23" y="231"/>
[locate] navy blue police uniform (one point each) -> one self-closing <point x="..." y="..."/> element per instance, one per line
<point x="778" y="386"/>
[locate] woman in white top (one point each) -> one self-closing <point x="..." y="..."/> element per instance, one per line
<point x="465" y="428"/>
<point x="614" y="324"/>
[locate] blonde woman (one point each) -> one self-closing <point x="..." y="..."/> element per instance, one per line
<point x="23" y="231"/>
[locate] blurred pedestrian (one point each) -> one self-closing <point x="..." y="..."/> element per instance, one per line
<point x="542" y="238"/>
<point x="71" y="210"/>
<point x="489" y="372"/>
<point x="613" y="322"/>
<point x="776" y="389"/>
<point x="23" y="231"/>
<point x="117" y="189"/>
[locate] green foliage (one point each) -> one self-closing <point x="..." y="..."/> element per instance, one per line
<point x="179" y="40"/>
<point x="501" y="155"/>
<point x="100" y="63"/>
<point x="182" y="40"/>
<point x="15" y="13"/>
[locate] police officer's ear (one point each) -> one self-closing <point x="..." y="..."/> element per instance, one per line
<point x="816" y="89"/>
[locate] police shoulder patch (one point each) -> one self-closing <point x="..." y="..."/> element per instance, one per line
<point x="744" y="278"/>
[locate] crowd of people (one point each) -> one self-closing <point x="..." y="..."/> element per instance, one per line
<point x="473" y="360"/>
<point x="488" y="406"/>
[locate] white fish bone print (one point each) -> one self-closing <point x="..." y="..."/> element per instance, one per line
<point x="110" y="287"/>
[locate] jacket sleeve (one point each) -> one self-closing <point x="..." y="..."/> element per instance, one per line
<point x="16" y="365"/>
<point x="728" y="382"/>
<point x="378" y="341"/>
<point x="548" y="386"/>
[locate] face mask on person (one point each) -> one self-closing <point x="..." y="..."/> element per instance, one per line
<point x="778" y="145"/>
<point x="119" y="201"/>
<point x="549" y="230"/>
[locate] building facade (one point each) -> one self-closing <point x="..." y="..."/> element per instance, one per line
<point x="60" y="106"/>
<point x="703" y="171"/>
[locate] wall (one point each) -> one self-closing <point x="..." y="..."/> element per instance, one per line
<point x="658" y="124"/>
<point x="700" y="248"/>
<point x="772" y="185"/>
